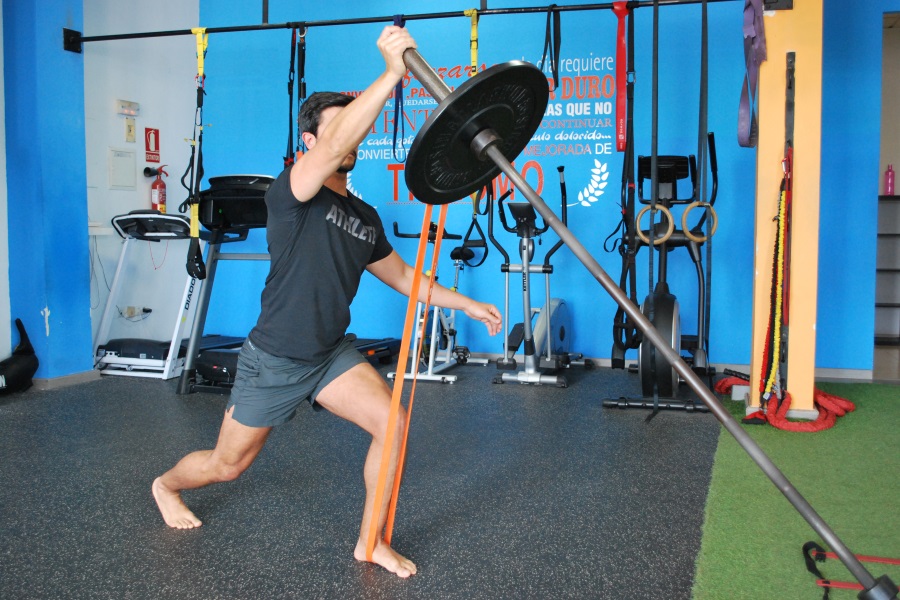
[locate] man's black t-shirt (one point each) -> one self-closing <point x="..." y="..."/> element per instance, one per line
<point x="319" y="250"/>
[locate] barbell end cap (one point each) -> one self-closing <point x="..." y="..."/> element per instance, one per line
<point x="884" y="589"/>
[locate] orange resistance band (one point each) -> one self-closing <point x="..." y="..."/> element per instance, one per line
<point x="398" y="386"/>
<point x="401" y="459"/>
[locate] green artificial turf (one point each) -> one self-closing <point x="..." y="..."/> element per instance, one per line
<point x="752" y="536"/>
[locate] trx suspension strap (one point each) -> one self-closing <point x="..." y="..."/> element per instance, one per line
<point x="473" y="40"/>
<point x="754" y="55"/>
<point x="474" y="228"/>
<point x="194" y="172"/>
<point x="289" y="153"/>
<point x="625" y="335"/>
<point x="479" y="241"/>
<point x="654" y="198"/>
<point x="813" y="552"/>
<point x="301" y="86"/>
<point x="620" y="9"/>
<point x="379" y="497"/>
<point x="296" y="72"/>
<point x="705" y="158"/>
<point x="399" y="21"/>
<point x="552" y="41"/>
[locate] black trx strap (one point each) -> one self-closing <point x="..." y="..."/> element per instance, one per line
<point x="480" y="241"/>
<point x="704" y="102"/>
<point x="289" y="153"/>
<point x="552" y="41"/>
<point x="301" y="87"/>
<point x="399" y="21"/>
<point x="810" y="549"/>
<point x="194" y="171"/>
<point x="654" y="198"/>
<point x="705" y="156"/>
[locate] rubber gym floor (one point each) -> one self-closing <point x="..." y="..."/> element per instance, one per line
<point x="510" y="491"/>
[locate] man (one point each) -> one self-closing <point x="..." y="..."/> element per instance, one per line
<point x="320" y="241"/>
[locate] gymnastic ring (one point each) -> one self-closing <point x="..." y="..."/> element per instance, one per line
<point x="659" y="240"/>
<point x="712" y="215"/>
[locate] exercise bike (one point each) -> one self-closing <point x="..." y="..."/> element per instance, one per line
<point x="546" y="343"/>
<point x="437" y="329"/>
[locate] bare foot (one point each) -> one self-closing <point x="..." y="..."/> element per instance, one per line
<point x="174" y="511"/>
<point x="385" y="556"/>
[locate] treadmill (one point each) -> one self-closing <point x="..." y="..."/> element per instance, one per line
<point x="229" y="209"/>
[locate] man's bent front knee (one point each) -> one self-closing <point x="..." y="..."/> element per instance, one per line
<point x="223" y="471"/>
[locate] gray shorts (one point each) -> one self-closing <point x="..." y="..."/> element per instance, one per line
<point x="268" y="389"/>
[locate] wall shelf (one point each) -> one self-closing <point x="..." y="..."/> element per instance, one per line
<point x="887" y="272"/>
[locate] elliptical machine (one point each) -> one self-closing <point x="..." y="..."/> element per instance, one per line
<point x="546" y="343"/>
<point x="659" y="380"/>
<point x="661" y="306"/>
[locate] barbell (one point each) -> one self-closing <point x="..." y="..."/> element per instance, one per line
<point x="472" y="136"/>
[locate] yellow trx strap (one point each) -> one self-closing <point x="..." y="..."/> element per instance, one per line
<point x="473" y="47"/>
<point x="202" y="42"/>
<point x="195" y="266"/>
<point x="473" y="38"/>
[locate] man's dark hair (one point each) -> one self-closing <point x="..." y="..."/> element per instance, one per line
<point x="308" y="118"/>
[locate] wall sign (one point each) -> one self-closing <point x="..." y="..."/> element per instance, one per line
<point x="151" y="144"/>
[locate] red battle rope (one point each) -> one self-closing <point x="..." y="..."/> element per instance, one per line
<point x="830" y="407"/>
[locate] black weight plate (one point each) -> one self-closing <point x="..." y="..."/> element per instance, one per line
<point x="509" y="98"/>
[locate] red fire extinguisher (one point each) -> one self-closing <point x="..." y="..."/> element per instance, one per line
<point x="158" y="191"/>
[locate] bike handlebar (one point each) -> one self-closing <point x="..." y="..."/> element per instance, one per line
<point x="432" y="234"/>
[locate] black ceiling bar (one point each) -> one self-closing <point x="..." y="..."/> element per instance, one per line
<point x="73" y="40"/>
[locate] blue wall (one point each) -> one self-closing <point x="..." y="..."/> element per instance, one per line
<point x="48" y="245"/>
<point x="851" y="111"/>
<point x="247" y="112"/>
<point x="247" y="106"/>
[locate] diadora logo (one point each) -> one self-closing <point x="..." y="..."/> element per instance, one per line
<point x="187" y="302"/>
<point x="595" y="188"/>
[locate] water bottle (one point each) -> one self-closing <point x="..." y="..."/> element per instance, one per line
<point x="889" y="181"/>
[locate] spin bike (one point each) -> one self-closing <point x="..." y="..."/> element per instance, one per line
<point x="551" y="333"/>
<point x="438" y="330"/>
